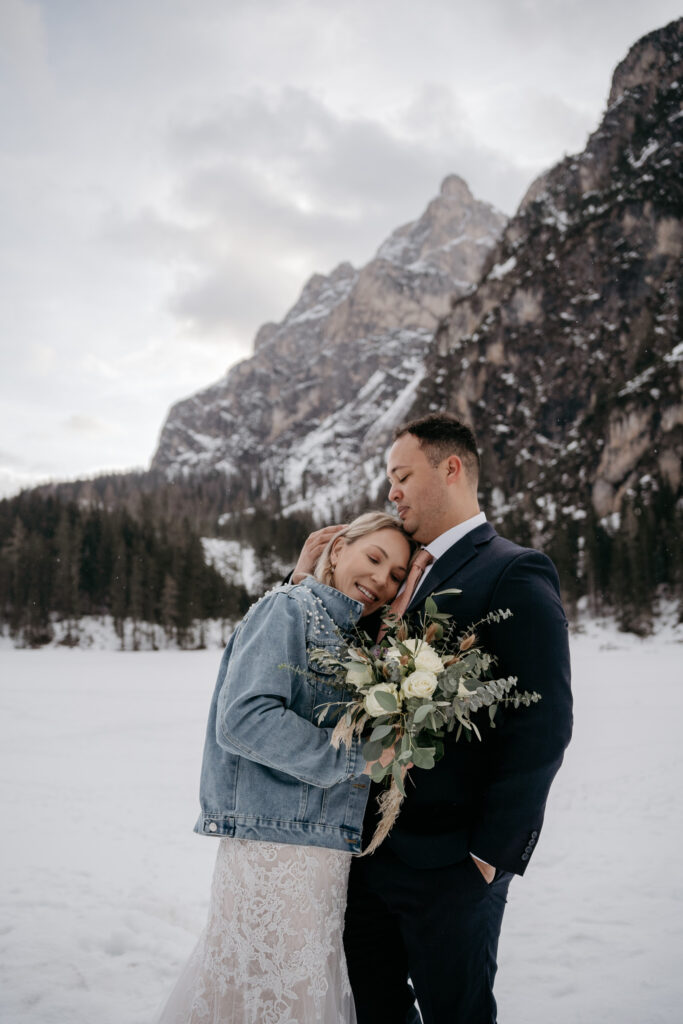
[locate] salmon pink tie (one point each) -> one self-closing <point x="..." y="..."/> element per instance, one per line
<point x="420" y="563"/>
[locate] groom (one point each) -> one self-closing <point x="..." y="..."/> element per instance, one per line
<point x="428" y="905"/>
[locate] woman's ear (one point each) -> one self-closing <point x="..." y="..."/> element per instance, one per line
<point x="337" y="545"/>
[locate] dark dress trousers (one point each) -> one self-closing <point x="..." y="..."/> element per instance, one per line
<point x="419" y="906"/>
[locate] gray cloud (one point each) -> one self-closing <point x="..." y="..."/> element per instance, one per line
<point x="80" y="424"/>
<point x="280" y="181"/>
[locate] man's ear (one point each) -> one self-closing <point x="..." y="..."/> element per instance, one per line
<point x="454" y="468"/>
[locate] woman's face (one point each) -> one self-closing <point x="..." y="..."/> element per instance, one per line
<point x="371" y="568"/>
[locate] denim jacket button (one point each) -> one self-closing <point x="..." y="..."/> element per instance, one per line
<point x="213" y="827"/>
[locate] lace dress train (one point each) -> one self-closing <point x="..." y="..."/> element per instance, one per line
<point x="272" y="950"/>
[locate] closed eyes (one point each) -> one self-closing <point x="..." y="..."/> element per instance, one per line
<point x="395" y="578"/>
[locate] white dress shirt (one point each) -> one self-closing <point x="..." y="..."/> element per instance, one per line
<point x="440" y="545"/>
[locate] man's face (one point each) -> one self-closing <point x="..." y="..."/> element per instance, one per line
<point x="418" y="490"/>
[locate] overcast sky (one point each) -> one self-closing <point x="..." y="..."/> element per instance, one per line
<point x="174" y="170"/>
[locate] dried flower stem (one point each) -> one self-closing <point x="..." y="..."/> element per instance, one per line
<point x="389" y="804"/>
<point x="342" y="733"/>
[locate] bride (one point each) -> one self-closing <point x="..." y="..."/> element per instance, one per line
<point x="286" y="805"/>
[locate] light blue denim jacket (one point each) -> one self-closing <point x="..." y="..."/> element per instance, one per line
<point x="269" y="771"/>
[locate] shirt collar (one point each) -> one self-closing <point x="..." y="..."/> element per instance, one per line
<point x="440" y="545"/>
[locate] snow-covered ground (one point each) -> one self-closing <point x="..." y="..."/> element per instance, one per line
<point x="105" y="886"/>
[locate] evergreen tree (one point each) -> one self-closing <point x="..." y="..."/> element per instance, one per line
<point x="169" y="606"/>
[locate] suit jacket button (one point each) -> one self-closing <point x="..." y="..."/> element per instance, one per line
<point x="534" y="835"/>
<point x="525" y="856"/>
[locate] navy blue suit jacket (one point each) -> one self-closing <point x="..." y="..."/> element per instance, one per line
<point x="489" y="797"/>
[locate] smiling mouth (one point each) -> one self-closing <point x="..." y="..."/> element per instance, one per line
<point x="367" y="593"/>
<point x="402" y="511"/>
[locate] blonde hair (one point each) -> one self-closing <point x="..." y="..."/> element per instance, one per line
<point x="369" y="522"/>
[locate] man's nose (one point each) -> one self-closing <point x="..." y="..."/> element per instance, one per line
<point x="394" y="493"/>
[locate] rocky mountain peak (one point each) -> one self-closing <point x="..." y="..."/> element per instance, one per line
<point x="455" y="187"/>
<point x="654" y="59"/>
<point x="344" y="360"/>
<point x="644" y="103"/>
<point x="453" y="220"/>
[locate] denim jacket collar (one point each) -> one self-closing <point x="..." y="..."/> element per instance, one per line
<point x="344" y="610"/>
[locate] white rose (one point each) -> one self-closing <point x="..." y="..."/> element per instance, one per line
<point x="419" y="684"/>
<point x="427" y="660"/>
<point x="372" y="705"/>
<point x="358" y="674"/>
<point x="425" y="657"/>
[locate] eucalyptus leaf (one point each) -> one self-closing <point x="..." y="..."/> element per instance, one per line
<point x="423" y="757"/>
<point x="422" y="713"/>
<point x="398" y="777"/>
<point x="380" y="731"/>
<point x="388" y="740"/>
<point x="385" y="700"/>
<point x="372" y="750"/>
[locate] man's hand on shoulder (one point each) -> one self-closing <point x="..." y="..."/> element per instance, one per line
<point x="487" y="870"/>
<point x="313" y="548"/>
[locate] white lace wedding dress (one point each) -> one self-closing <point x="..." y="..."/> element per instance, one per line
<point x="272" y="951"/>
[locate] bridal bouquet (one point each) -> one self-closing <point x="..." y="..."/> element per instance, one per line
<point x="409" y="691"/>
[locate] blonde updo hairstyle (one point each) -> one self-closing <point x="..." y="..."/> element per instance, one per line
<point x="369" y="522"/>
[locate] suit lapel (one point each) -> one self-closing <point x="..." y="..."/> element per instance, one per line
<point x="452" y="561"/>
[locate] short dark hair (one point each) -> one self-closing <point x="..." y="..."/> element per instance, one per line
<point x="442" y="434"/>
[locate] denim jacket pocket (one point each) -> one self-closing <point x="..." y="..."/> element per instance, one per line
<point x="325" y="691"/>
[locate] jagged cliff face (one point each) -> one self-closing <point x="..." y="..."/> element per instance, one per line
<point x="302" y="423"/>
<point x="567" y="358"/>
